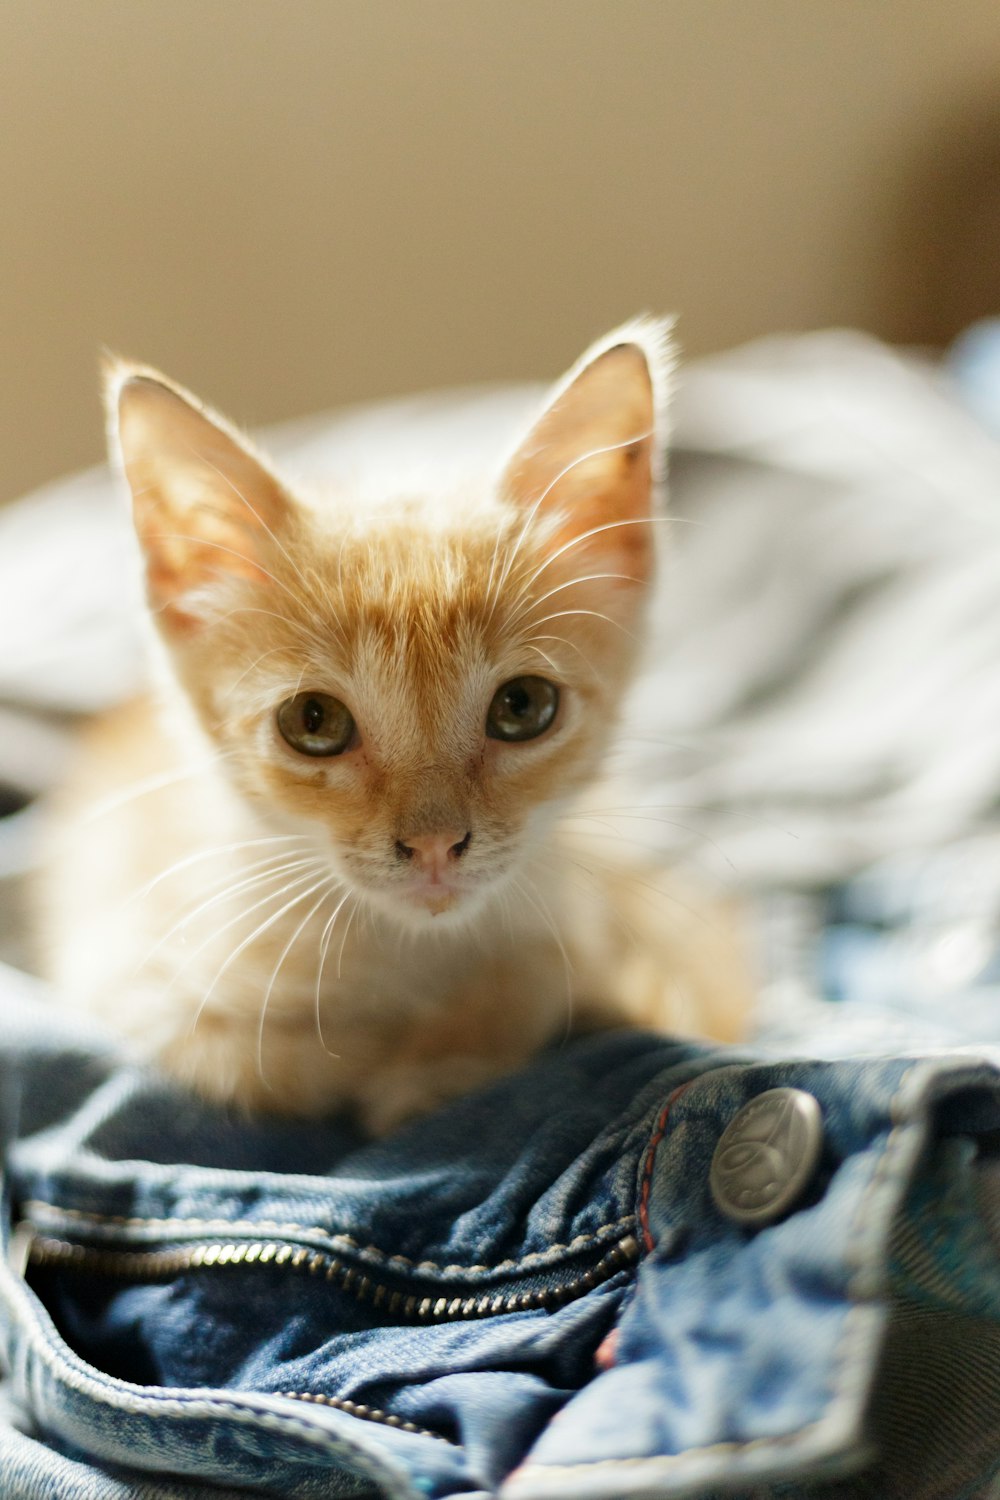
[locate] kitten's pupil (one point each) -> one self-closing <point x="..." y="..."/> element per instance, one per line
<point x="313" y="716"/>
<point x="518" y="702"/>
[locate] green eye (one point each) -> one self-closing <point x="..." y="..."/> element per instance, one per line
<point x="522" y="709"/>
<point x="316" y="724"/>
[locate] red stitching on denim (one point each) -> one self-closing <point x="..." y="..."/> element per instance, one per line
<point x="647" y="1171"/>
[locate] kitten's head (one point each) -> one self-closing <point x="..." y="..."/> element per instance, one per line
<point x="419" y="684"/>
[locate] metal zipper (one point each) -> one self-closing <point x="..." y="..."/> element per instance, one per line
<point x="46" y="1252"/>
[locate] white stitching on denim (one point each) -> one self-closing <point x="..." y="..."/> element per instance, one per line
<point x="885" y="1167"/>
<point x="345" y="1241"/>
<point x="664" y="1460"/>
<point x="69" y="1370"/>
<point x="534" y="1472"/>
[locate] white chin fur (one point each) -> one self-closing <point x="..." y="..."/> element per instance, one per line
<point x="414" y="915"/>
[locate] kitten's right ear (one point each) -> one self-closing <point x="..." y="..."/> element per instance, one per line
<point x="594" y="459"/>
<point x="206" y="508"/>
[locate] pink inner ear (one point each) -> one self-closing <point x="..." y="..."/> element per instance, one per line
<point x="187" y="550"/>
<point x="589" y="462"/>
<point x="205" y="507"/>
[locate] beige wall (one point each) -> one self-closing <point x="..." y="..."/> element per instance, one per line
<point x="293" y="203"/>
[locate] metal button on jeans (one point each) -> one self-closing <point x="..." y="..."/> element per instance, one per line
<point x="766" y="1156"/>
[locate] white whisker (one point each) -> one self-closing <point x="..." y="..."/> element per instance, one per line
<point x="327" y="885"/>
<point x="561" y="614"/>
<point x="510" y="559"/>
<point x="597" y="886"/>
<point x="217" y="849"/>
<point x="580" y="459"/>
<point x="585" y="536"/>
<point x="234" y="922"/>
<point x="201" y="541"/>
<point x="151" y="784"/>
<point x="547" y="918"/>
<point x="544" y="655"/>
<point x="312" y="637"/>
<point x="324" y="948"/>
<point x="532" y="604"/>
<point x="269" y="869"/>
<point x="648" y="817"/>
<point x="669" y="895"/>
<point x="246" y="672"/>
<point x="595" y="453"/>
<point x="203" y="458"/>
<point x="564" y="642"/>
<point x="343" y="941"/>
<point x="257" y="932"/>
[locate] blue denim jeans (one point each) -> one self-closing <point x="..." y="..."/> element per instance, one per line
<point x="532" y="1293"/>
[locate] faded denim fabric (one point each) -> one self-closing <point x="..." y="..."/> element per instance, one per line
<point x="531" y="1293"/>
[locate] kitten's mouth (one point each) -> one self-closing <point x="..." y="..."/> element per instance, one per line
<point x="434" y="895"/>
<point x="422" y="899"/>
<point x="437" y="902"/>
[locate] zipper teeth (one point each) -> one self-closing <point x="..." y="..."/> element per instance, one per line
<point x="366" y="1413"/>
<point x="140" y="1265"/>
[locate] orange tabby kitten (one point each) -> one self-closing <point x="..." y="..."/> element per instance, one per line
<point x="354" y="875"/>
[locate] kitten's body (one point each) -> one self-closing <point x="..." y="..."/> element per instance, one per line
<point x="393" y="922"/>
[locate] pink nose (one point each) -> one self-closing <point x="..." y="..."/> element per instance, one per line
<point x="433" y="852"/>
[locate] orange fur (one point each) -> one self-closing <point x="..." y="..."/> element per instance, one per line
<point x="345" y="970"/>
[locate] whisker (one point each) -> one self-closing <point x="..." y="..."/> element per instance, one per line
<point x="585" y="536"/>
<point x="561" y="614"/>
<point x="343" y="941"/>
<point x="533" y="511"/>
<point x="149" y="785"/>
<point x="234" y="921"/>
<point x="511" y="557"/>
<point x="558" y="866"/>
<point x="312" y="637"/>
<point x="203" y="458"/>
<point x="648" y="817"/>
<point x="217" y="849"/>
<point x="270" y="871"/>
<point x="664" y="895"/>
<point x="257" y="932"/>
<point x="246" y="673"/>
<point x="546" y="915"/>
<point x="564" y="642"/>
<point x="544" y="655"/>
<point x="492" y="573"/>
<point x="595" y="453"/>
<point x="639" y="811"/>
<point x="509" y="914"/>
<point x="610" y="907"/>
<point x="328" y="885"/>
<point x="200" y="541"/>
<point x="572" y="583"/>
<point x="324" y="948"/>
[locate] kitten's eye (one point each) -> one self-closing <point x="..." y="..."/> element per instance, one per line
<point x="316" y="724"/>
<point x="522" y="709"/>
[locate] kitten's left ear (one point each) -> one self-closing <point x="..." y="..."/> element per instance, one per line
<point x="595" y="457"/>
<point x="206" y="508"/>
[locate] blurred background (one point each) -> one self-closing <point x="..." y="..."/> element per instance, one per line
<point x="290" y="205"/>
<point x="293" y="205"/>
